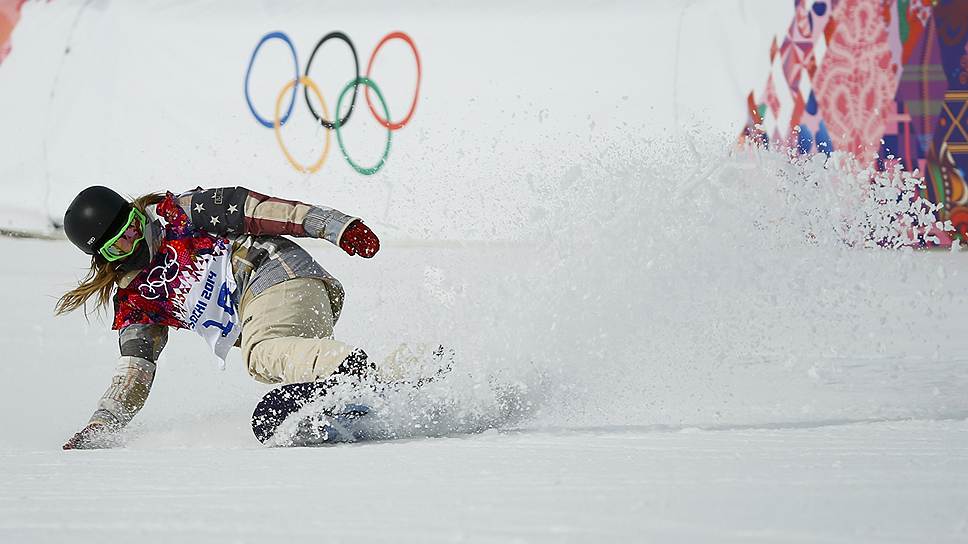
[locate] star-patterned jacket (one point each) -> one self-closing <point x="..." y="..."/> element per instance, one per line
<point x="254" y="225"/>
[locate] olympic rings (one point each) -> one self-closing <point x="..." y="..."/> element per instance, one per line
<point x="337" y="124"/>
<point x="308" y="84"/>
<point x="248" y="72"/>
<point x="416" y="93"/>
<point x="356" y="75"/>
<point x="339" y="135"/>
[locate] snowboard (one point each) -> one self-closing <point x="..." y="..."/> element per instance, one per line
<point x="290" y="415"/>
<point x="283" y="403"/>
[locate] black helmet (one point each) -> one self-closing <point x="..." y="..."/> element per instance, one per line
<point x="96" y="214"/>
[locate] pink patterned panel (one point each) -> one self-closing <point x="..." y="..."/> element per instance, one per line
<point x="856" y="82"/>
<point x="9" y="15"/>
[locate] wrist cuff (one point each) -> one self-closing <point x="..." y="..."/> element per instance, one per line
<point x="106" y="418"/>
<point x="326" y="223"/>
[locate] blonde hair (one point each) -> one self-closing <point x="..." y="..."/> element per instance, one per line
<point x="102" y="276"/>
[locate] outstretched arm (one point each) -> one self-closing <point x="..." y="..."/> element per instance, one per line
<point x="229" y="211"/>
<point x="140" y="347"/>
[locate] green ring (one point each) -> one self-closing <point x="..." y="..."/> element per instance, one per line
<point x="339" y="135"/>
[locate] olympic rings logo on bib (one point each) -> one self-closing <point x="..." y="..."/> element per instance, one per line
<point x="335" y="124"/>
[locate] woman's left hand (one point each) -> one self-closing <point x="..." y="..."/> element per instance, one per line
<point x="93" y="436"/>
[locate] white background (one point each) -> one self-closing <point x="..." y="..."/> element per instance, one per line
<point x="150" y="97"/>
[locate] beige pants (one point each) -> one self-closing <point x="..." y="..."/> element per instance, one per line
<point x="287" y="333"/>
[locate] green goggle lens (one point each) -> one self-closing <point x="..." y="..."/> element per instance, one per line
<point x="111" y="252"/>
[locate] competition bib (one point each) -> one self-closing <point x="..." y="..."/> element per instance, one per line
<point x="210" y="305"/>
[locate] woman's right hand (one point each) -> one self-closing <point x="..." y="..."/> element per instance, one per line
<point x="93" y="436"/>
<point x="358" y="239"/>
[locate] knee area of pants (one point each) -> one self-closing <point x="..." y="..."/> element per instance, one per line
<point x="258" y="353"/>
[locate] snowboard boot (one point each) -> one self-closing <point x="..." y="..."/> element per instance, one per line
<point x="413" y="366"/>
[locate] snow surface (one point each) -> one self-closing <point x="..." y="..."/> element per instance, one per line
<point x="884" y="482"/>
<point x="798" y="391"/>
<point x="699" y="345"/>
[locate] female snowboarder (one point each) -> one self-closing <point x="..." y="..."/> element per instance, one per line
<point x="213" y="261"/>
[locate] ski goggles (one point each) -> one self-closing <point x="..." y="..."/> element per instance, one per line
<point x="111" y="251"/>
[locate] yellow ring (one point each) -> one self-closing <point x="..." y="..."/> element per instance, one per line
<point x="275" y="126"/>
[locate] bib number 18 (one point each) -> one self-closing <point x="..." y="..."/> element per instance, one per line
<point x="224" y="302"/>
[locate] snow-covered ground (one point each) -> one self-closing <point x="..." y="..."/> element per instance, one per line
<point x="820" y="399"/>
<point x="865" y="482"/>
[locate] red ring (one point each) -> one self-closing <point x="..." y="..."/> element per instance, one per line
<point x="416" y="94"/>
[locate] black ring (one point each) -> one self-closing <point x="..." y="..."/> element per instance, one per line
<point x="340" y="36"/>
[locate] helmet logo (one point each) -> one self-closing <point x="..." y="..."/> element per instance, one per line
<point x="91" y="241"/>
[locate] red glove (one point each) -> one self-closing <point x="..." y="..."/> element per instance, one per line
<point x="93" y="436"/>
<point x="358" y="239"/>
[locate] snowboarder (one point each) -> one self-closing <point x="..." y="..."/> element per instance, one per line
<point x="214" y="261"/>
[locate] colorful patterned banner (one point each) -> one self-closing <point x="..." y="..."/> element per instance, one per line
<point x="886" y="80"/>
<point x="9" y="15"/>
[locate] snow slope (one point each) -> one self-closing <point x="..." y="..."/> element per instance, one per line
<point x="885" y="482"/>
<point x="744" y="384"/>
<point x="859" y="447"/>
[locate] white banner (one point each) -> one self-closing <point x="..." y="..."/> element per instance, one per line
<point x="146" y="96"/>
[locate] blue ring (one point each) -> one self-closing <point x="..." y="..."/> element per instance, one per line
<point x="292" y="101"/>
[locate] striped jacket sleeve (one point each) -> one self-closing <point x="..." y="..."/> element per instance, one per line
<point x="232" y="211"/>
<point x="141" y="346"/>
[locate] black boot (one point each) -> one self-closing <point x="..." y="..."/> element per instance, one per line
<point x="356" y="364"/>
